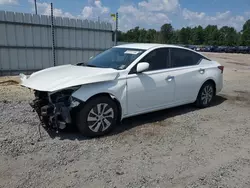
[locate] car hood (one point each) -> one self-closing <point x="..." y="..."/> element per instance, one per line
<point x="60" y="77"/>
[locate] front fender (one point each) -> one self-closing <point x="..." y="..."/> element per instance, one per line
<point x="117" y="88"/>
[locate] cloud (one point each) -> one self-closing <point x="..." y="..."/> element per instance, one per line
<point x="44" y="8"/>
<point x="8" y="2"/>
<point x="131" y="16"/>
<point x="87" y="12"/>
<point x="247" y="13"/>
<point x="148" y="14"/>
<point x="94" y="10"/>
<point x="189" y="15"/>
<point x="159" y="5"/>
<point x="145" y="14"/>
<point x="219" y="19"/>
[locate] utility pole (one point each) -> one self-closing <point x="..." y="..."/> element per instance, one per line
<point x="115" y="32"/>
<point x="116" y="28"/>
<point x="35" y="6"/>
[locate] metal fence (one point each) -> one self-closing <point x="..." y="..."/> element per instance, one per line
<point x="26" y="41"/>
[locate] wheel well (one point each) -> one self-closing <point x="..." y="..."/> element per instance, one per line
<point x="208" y="81"/>
<point x="212" y="82"/>
<point x="118" y="104"/>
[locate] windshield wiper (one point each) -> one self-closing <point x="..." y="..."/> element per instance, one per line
<point x="84" y="64"/>
<point x="80" y="64"/>
<point x="90" y="65"/>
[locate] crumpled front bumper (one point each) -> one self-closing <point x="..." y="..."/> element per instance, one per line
<point x="53" y="115"/>
<point x="53" y="108"/>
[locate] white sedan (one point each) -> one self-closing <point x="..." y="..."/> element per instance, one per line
<point x="123" y="81"/>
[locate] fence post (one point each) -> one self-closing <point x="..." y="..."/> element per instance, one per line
<point x="53" y="35"/>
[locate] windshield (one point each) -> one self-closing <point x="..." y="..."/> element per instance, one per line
<point x="116" y="58"/>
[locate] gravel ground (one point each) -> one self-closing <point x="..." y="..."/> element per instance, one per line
<point x="178" y="147"/>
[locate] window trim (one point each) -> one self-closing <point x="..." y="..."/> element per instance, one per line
<point x="166" y="63"/>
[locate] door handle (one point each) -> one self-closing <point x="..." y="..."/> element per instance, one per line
<point x="202" y="71"/>
<point x="170" y="78"/>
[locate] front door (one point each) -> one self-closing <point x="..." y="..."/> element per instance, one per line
<point x="152" y="89"/>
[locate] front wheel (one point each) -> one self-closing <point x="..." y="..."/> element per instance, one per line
<point x="205" y="95"/>
<point x="97" y="117"/>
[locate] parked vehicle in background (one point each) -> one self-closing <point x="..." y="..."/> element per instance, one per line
<point x="192" y="47"/>
<point x="243" y="49"/>
<point x="207" y="49"/>
<point x="221" y="49"/>
<point x="213" y="48"/>
<point x="120" y="82"/>
<point x="239" y="49"/>
<point x="198" y="49"/>
<point x="248" y="49"/>
<point x="230" y="49"/>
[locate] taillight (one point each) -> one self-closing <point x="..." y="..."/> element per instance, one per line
<point x="221" y="68"/>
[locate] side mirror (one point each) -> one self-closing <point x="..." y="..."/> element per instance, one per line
<point x="142" y="66"/>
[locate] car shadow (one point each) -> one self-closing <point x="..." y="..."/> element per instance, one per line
<point x="161" y="115"/>
<point x="72" y="133"/>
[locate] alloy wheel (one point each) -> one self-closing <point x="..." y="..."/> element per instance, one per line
<point x="100" y="117"/>
<point x="207" y="94"/>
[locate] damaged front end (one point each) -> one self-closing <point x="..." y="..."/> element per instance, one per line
<point x="55" y="109"/>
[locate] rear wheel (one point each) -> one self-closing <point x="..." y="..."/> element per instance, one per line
<point x="206" y="95"/>
<point x="97" y="117"/>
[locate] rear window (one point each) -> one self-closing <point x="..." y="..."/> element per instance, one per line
<point x="182" y="57"/>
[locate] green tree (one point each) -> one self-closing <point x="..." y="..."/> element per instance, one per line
<point x="246" y="25"/>
<point x="133" y="35"/>
<point x="166" y="33"/>
<point x="185" y="36"/>
<point x="245" y="37"/>
<point x="216" y="36"/>
<point x="229" y="36"/>
<point x="175" y="37"/>
<point x="120" y="36"/>
<point x="211" y="35"/>
<point x="198" y="35"/>
<point x="151" y="35"/>
<point x="142" y="35"/>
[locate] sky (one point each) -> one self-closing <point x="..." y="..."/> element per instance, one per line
<point x="143" y="13"/>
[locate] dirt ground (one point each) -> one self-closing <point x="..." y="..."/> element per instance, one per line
<point x="178" y="147"/>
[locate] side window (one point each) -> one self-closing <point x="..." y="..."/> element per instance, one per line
<point x="157" y="59"/>
<point x="182" y="57"/>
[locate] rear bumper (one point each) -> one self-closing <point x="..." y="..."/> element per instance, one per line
<point x="219" y="84"/>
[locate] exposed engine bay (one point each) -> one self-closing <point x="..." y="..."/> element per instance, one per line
<point x="55" y="110"/>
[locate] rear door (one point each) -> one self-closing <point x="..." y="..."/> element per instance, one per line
<point x="188" y="74"/>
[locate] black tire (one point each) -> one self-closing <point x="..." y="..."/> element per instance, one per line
<point x="86" y="127"/>
<point x="202" y="101"/>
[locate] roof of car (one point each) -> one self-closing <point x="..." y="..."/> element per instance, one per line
<point x="145" y="46"/>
